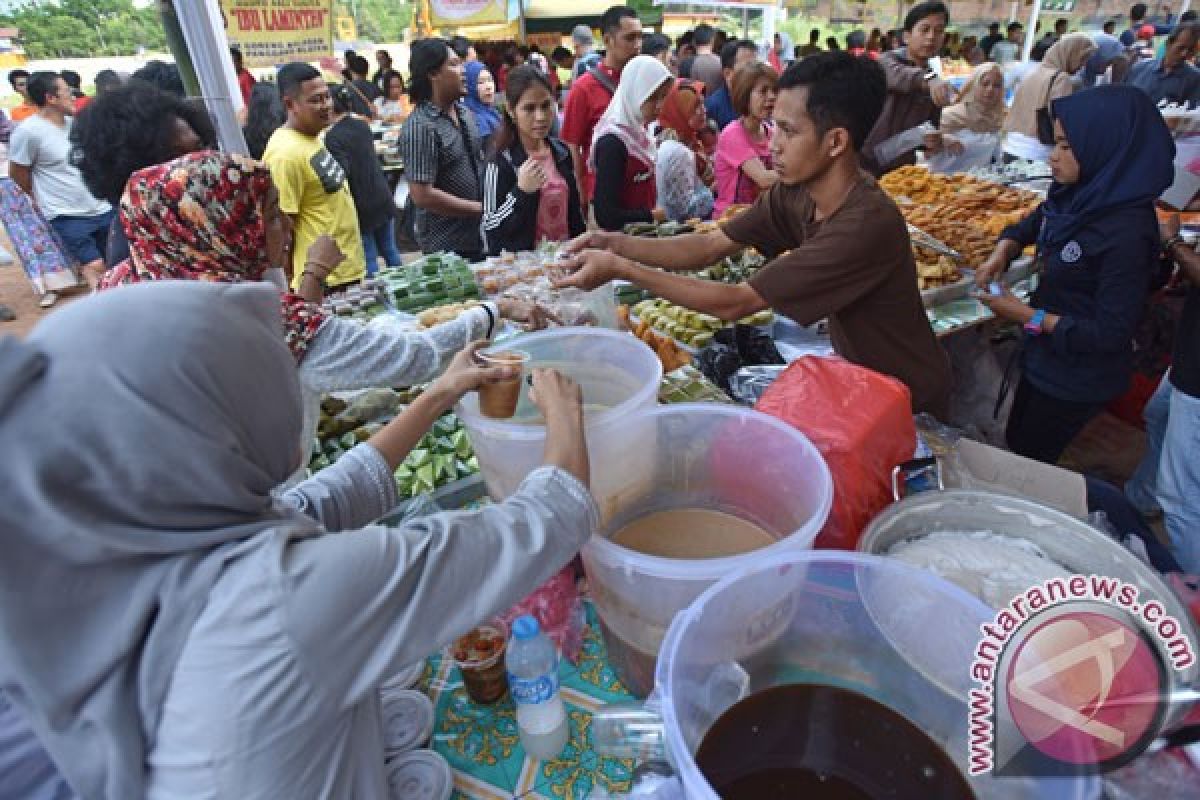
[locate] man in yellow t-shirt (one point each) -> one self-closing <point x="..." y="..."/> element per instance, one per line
<point x="312" y="186"/>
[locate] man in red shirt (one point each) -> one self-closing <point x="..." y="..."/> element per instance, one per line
<point x="244" y="78"/>
<point x="589" y="96"/>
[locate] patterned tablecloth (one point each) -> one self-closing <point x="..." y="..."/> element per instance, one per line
<point x="484" y="750"/>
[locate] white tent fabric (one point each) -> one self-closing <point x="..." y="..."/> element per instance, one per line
<point x="204" y="31"/>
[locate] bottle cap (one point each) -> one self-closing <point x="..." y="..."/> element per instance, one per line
<point x="526" y="627"/>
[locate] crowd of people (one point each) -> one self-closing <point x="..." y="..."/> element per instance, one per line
<point x="205" y="584"/>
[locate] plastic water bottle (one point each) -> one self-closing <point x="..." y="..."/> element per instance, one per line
<point x="532" y="664"/>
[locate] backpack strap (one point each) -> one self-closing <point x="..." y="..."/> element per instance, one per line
<point x="603" y="79"/>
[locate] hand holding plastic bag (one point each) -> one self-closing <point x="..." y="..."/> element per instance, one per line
<point x="978" y="150"/>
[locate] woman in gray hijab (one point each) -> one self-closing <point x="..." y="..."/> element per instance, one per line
<point x="168" y="625"/>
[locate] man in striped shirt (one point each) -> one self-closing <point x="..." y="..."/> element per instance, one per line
<point x="443" y="153"/>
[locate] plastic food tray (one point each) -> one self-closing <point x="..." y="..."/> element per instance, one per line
<point x="687" y="348"/>
<point x="941" y="295"/>
<point x="451" y="496"/>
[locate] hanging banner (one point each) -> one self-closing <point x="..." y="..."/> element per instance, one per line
<point x="273" y="32"/>
<point x="457" y="13"/>
<point x="727" y="4"/>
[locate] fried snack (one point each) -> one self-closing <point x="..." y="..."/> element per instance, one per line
<point x="438" y="315"/>
<point x="934" y="270"/>
<point x="969" y="198"/>
<point x="974" y="243"/>
<point x="961" y="211"/>
<point x="670" y="354"/>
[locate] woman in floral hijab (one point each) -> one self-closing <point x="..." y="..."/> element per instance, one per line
<point x="205" y="217"/>
<point x="211" y="216"/>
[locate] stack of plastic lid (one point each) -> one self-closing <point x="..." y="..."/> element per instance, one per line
<point x="406" y="678"/>
<point x="419" y="775"/>
<point x="407" y="721"/>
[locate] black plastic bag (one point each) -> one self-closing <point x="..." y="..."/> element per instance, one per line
<point x="734" y="348"/>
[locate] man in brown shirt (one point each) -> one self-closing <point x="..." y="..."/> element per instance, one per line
<point x="846" y="252"/>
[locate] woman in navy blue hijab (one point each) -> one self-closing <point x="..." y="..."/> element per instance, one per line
<point x="1098" y="249"/>
<point x="481" y="98"/>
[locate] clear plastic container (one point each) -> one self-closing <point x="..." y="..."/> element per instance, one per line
<point x="618" y="375"/>
<point x="692" y="456"/>
<point x="886" y="630"/>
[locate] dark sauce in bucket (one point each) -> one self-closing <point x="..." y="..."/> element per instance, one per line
<point x="816" y="742"/>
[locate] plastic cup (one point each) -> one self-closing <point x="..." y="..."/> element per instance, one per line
<point x="480" y="658"/>
<point x="499" y="400"/>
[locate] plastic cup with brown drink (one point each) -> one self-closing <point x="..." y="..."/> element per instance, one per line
<point x="499" y="400"/>
<point x="480" y="658"/>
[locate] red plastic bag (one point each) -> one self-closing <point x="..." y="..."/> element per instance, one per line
<point x="862" y="423"/>
<point x="559" y="611"/>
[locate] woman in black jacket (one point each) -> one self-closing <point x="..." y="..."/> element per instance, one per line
<point x="350" y="142"/>
<point x="529" y="191"/>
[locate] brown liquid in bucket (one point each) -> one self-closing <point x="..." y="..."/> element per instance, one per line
<point x="684" y="533"/>
<point x="691" y="533"/>
<point x="820" y="742"/>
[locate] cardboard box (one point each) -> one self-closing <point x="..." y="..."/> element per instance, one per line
<point x="981" y="466"/>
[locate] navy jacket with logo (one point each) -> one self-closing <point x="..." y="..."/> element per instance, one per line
<point x="1097" y="282"/>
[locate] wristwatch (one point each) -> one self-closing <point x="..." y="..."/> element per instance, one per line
<point x="1034" y="326"/>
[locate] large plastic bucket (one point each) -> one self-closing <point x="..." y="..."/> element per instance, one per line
<point x="618" y="375"/>
<point x="691" y="456"/>
<point x="883" y="629"/>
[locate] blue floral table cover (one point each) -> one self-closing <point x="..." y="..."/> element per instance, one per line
<point x="484" y="750"/>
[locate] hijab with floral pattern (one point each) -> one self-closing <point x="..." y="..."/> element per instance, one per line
<point x="199" y="218"/>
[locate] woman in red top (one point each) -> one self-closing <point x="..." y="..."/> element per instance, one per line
<point x="623" y="153"/>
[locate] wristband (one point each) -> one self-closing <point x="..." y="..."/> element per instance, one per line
<point x="312" y="275"/>
<point x="1034" y="326"/>
<point x="491" y="320"/>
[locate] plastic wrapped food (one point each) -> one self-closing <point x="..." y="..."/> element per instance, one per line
<point x="559" y="612"/>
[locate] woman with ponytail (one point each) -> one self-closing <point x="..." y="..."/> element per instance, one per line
<point x="529" y="190"/>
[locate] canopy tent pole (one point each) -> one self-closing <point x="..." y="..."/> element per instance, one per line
<point x="1031" y="30"/>
<point x="178" y="47"/>
<point x="521" y="17"/>
<point x="202" y="53"/>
